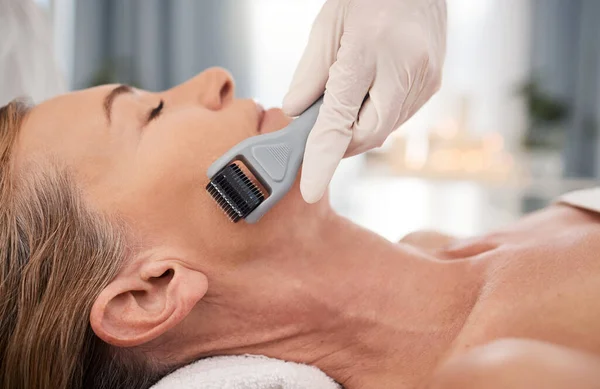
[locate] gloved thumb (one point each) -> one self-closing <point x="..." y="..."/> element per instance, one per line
<point x="325" y="148"/>
<point x="310" y="77"/>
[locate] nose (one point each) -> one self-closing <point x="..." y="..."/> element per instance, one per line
<point x="213" y="88"/>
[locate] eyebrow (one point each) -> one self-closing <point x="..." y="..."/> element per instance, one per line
<point x="110" y="98"/>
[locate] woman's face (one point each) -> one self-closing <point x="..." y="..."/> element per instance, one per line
<point x="145" y="155"/>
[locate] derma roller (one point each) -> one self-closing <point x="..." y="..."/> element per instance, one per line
<point x="274" y="159"/>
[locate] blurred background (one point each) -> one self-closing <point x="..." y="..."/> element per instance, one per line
<point x="514" y="125"/>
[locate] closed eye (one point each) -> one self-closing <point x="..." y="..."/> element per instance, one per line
<point x="156" y="111"/>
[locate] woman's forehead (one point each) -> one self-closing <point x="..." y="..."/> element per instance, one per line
<point x="48" y="124"/>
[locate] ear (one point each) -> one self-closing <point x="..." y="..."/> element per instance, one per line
<point x="145" y="300"/>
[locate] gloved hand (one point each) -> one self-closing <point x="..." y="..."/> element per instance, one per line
<point x="378" y="62"/>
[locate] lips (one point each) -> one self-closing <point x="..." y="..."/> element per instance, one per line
<point x="272" y="120"/>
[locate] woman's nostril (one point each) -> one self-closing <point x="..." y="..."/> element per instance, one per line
<point x="213" y="88"/>
<point x="225" y="92"/>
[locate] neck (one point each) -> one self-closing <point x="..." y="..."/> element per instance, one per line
<point x="364" y="310"/>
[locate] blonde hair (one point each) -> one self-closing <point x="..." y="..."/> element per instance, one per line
<point x="56" y="255"/>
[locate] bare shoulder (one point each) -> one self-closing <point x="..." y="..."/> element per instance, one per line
<point x="519" y="364"/>
<point x="542" y="279"/>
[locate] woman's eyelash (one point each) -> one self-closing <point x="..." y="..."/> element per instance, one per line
<point x="156" y="111"/>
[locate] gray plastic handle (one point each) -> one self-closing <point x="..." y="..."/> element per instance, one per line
<point x="273" y="158"/>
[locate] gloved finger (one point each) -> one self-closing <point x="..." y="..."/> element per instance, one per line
<point x="381" y="113"/>
<point x="429" y="86"/>
<point x="349" y="81"/>
<point x="424" y="76"/>
<point x="392" y="102"/>
<point x="367" y="131"/>
<point x="312" y="72"/>
<point x="325" y="148"/>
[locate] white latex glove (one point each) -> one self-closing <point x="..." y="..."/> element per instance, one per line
<point x="378" y="62"/>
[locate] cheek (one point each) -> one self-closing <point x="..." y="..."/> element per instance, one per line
<point x="169" y="171"/>
<point x="186" y="147"/>
<point x="172" y="163"/>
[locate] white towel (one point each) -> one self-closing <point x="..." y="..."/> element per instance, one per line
<point x="246" y="372"/>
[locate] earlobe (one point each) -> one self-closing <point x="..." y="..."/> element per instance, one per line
<point x="145" y="301"/>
